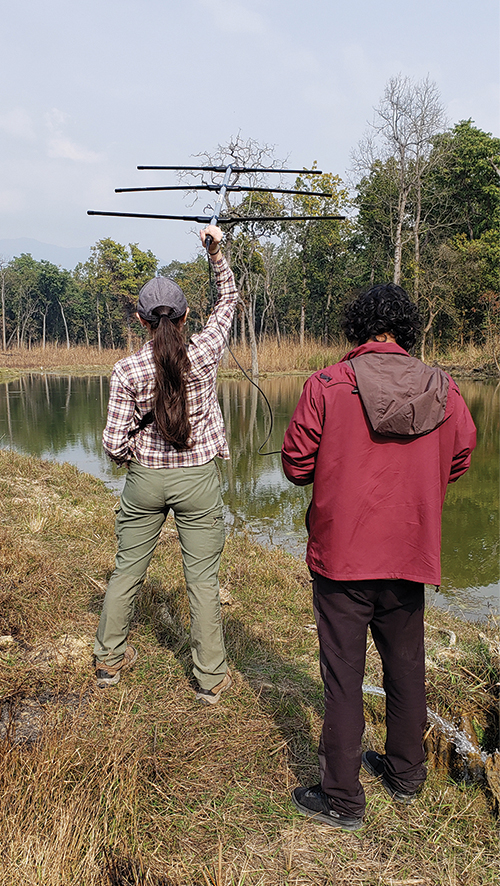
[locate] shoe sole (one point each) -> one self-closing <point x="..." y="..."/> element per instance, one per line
<point x="213" y="699"/>
<point x="397" y="796"/>
<point x="349" y="825"/>
<point x="102" y="682"/>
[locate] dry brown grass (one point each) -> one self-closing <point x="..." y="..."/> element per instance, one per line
<point x="470" y="358"/>
<point x="287" y="357"/>
<point x="138" y="784"/>
<point x="59" y="359"/>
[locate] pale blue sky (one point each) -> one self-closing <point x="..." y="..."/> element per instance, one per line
<point x="93" y="88"/>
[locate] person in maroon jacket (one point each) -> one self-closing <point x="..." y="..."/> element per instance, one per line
<point x="380" y="435"/>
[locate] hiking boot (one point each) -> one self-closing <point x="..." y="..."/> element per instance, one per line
<point x="108" y="675"/>
<point x="375" y="764"/>
<point x="316" y="804"/>
<point x="211" y="696"/>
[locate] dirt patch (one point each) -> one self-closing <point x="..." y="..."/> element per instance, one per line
<point x="68" y="650"/>
<point x="23" y="721"/>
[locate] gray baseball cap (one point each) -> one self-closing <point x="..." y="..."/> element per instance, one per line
<point x="161" y="292"/>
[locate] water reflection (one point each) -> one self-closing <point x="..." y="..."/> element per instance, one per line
<point x="58" y="418"/>
<point x="257" y="497"/>
<point x="470" y="552"/>
<point x="61" y="418"/>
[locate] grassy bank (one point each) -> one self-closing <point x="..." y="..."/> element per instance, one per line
<point x="287" y="357"/>
<point x="138" y="784"/>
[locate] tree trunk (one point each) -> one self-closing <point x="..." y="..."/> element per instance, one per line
<point x="4" y="340"/>
<point x="24" y="328"/>
<point x="18" y="326"/>
<point x="263" y="324"/>
<point x="253" y="348"/>
<point x="278" y="334"/>
<point x="416" y="235"/>
<point x="243" y="338"/>
<point x="110" y="326"/>
<point x="327" y="309"/>
<point x="303" y="307"/>
<point x="99" y="347"/>
<point x="398" y="241"/>
<point x="425" y="330"/>
<point x="65" y="326"/>
<point x="129" y="334"/>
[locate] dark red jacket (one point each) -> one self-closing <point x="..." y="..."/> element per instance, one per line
<point x="378" y="494"/>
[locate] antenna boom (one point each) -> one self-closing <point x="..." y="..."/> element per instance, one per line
<point x="235" y="169"/>
<point x="208" y="187"/>
<point x="206" y="219"/>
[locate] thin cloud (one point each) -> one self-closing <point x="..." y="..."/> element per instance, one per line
<point x="60" y="146"/>
<point x="64" y="148"/>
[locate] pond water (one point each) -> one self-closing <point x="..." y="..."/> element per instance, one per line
<point x="61" y="418"/>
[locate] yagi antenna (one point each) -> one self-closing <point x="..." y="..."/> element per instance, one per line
<point x="222" y="189"/>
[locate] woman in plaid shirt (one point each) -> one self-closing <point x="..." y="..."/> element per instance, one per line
<point x="164" y="422"/>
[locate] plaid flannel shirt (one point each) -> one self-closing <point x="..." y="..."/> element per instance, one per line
<point x="131" y="394"/>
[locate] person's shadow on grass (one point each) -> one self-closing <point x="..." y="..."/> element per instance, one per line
<point x="284" y="687"/>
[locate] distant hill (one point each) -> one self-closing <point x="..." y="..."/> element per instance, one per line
<point x="66" y="257"/>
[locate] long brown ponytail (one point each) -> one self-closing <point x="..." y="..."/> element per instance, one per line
<point x="172" y="366"/>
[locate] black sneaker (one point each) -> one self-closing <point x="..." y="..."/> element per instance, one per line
<point x="314" y="803"/>
<point x="375" y="764"/>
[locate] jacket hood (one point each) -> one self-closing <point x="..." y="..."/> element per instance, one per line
<point x="402" y="396"/>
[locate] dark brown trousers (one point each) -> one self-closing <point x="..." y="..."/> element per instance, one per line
<point x="394" y="611"/>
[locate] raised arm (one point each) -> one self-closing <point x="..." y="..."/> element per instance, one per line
<point x="217" y="328"/>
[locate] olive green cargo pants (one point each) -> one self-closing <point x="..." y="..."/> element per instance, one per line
<point x="194" y="496"/>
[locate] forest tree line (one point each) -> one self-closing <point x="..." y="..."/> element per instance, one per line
<point x="422" y="210"/>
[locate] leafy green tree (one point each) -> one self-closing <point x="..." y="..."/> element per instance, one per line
<point x="23" y="298"/>
<point x="468" y="183"/>
<point x="52" y="287"/>
<point x="372" y="241"/>
<point x="321" y="247"/>
<point x="112" y="277"/>
<point x="4" y="270"/>
<point x="193" y="279"/>
<point x="142" y="266"/>
<point x="462" y="204"/>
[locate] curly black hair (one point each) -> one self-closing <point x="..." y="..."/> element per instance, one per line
<point x="384" y="308"/>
